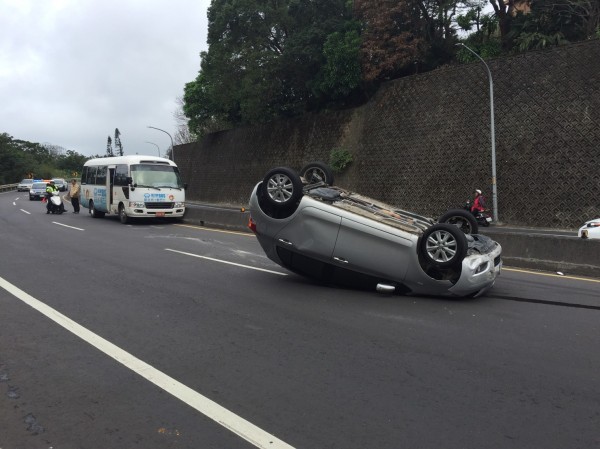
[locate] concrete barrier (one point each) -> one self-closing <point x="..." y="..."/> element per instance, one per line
<point x="223" y="217"/>
<point x="523" y="249"/>
<point x="551" y="253"/>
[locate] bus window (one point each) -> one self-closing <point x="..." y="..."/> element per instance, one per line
<point x="101" y="176"/>
<point x="121" y="174"/>
<point x="89" y="175"/>
<point x="146" y="175"/>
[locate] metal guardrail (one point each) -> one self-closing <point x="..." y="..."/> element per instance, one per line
<point x="8" y="187"/>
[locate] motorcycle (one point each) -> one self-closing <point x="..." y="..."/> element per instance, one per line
<point x="483" y="217"/>
<point x="56" y="205"/>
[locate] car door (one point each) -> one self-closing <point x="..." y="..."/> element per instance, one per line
<point x="372" y="249"/>
<point x="312" y="233"/>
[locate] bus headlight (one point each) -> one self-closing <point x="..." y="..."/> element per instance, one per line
<point x="136" y="204"/>
<point x="179" y="205"/>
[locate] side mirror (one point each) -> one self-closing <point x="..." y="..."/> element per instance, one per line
<point x="128" y="180"/>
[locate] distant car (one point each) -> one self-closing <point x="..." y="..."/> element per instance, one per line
<point x="37" y="191"/>
<point x="60" y="184"/>
<point x="24" y="185"/>
<point x="313" y="228"/>
<point x="590" y="230"/>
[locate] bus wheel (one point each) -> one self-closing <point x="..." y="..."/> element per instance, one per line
<point x="122" y="215"/>
<point x="93" y="212"/>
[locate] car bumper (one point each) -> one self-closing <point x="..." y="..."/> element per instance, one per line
<point x="138" y="213"/>
<point x="586" y="232"/>
<point x="478" y="274"/>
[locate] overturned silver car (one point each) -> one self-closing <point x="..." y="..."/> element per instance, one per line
<point x="313" y="228"/>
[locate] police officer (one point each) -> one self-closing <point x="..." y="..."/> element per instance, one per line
<point x="50" y="189"/>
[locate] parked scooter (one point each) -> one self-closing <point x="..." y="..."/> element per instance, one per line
<point x="483" y="217"/>
<point x="56" y="205"/>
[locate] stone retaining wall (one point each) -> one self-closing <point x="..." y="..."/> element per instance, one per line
<point x="423" y="142"/>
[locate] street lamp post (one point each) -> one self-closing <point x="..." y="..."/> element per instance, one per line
<point x="172" y="146"/>
<point x="492" y="132"/>
<point x="157" y="147"/>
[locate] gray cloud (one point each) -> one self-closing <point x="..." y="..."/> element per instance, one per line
<point x="71" y="71"/>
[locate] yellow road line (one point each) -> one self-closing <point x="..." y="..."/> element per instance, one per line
<point x="576" y="278"/>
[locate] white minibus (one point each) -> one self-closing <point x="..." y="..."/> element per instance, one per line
<point x="132" y="187"/>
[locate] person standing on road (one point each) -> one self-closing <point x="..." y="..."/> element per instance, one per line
<point x="74" y="194"/>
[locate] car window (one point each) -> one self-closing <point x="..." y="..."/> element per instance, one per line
<point x="39" y="185"/>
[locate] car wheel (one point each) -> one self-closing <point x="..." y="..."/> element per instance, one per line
<point x="122" y="215"/>
<point x="30" y="198"/>
<point x="317" y="172"/>
<point x="443" y="245"/>
<point x="464" y="220"/>
<point x="282" y="187"/>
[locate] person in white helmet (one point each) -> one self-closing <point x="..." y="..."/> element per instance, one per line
<point x="478" y="202"/>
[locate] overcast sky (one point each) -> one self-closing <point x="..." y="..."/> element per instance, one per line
<point x="71" y="71"/>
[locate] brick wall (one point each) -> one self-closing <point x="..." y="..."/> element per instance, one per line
<point x="423" y="142"/>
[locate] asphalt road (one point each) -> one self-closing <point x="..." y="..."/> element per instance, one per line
<point x="157" y="335"/>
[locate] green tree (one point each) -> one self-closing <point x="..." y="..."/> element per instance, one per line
<point x="15" y="163"/>
<point x="264" y="61"/>
<point x="340" y="76"/>
<point x="71" y="162"/>
<point x="20" y="158"/>
<point x="109" y="147"/>
<point x="118" y="144"/>
<point x="554" y="22"/>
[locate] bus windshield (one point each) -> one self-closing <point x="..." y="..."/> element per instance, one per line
<point x="156" y="176"/>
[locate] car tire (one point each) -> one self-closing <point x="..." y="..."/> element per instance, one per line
<point x="282" y="187"/>
<point x="443" y="245"/>
<point x="30" y="198"/>
<point x="317" y="172"/>
<point x="123" y="215"/>
<point x="462" y="219"/>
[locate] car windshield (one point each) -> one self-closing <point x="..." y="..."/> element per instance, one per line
<point x="39" y="185"/>
<point x="156" y="176"/>
<point x="27" y="181"/>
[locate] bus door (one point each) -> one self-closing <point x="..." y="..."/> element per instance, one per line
<point x="111" y="185"/>
<point x="119" y="185"/>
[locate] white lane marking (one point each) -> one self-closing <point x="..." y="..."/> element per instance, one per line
<point x="226" y="262"/>
<point x="14" y="203"/>
<point x="22" y="210"/>
<point x="67" y="226"/>
<point x="245" y="234"/>
<point x="246" y="430"/>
